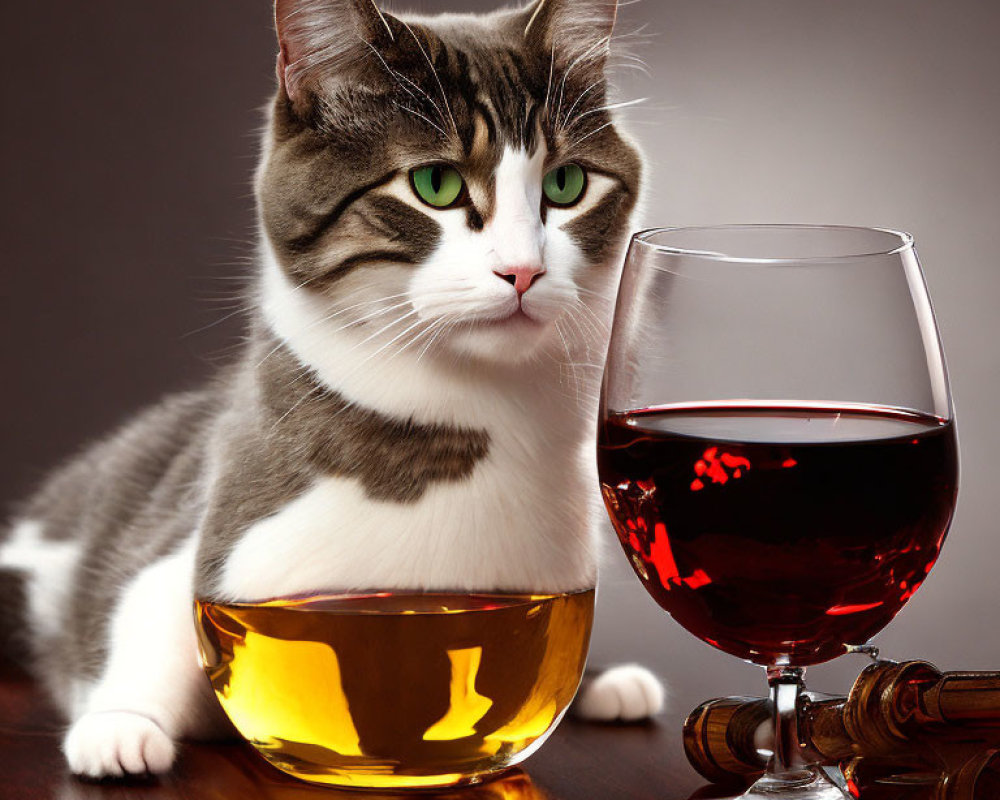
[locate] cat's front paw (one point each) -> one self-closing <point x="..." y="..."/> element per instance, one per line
<point x="629" y="693"/>
<point x="116" y="743"/>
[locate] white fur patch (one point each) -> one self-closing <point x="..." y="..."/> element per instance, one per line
<point x="152" y="689"/>
<point x="116" y="743"/>
<point x="49" y="566"/>
<point x="516" y="233"/>
<point x="366" y="371"/>
<point x="627" y="693"/>
<point x="505" y="528"/>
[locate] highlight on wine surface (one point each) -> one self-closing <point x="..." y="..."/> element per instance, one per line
<point x="777" y="448"/>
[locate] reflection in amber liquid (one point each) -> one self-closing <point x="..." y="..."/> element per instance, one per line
<point x="397" y="690"/>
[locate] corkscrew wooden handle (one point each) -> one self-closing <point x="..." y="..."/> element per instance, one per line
<point x="978" y="778"/>
<point x="963" y="698"/>
<point x="896" y="713"/>
<point x="719" y="738"/>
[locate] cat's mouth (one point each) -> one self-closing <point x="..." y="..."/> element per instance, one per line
<point x="519" y="318"/>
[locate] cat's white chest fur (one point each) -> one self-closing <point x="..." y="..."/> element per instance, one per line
<point x="503" y="528"/>
<point x="521" y="521"/>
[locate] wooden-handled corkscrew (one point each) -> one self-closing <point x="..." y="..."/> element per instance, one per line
<point x="904" y="726"/>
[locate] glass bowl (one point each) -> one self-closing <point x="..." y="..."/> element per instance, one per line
<point x="396" y="690"/>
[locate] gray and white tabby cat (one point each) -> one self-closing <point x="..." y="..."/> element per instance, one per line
<point x="443" y="202"/>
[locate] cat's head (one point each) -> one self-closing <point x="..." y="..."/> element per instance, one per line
<point x="454" y="185"/>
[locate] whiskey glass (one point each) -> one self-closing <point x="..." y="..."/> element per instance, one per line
<point x="397" y="691"/>
<point x="777" y="449"/>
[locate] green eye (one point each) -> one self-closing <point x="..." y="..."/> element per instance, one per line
<point x="438" y="185"/>
<point x="564" y="186"/>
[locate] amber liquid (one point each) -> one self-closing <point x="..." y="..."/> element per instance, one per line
<point x="397" y="690"/>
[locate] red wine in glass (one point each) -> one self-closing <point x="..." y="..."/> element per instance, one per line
<point x="719" y="507"/>
<point x="777" y="447"/>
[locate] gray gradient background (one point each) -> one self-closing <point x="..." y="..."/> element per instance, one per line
<point x="128" y="143"/>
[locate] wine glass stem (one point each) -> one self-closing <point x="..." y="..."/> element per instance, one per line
<point x="787" y="765"/>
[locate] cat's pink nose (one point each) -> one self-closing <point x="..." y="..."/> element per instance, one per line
<point x="521" y="278"/>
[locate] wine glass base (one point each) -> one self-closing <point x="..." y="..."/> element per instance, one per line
<point x="816" y="787"/>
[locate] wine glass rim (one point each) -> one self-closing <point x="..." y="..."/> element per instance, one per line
<point x="644" y="238"/>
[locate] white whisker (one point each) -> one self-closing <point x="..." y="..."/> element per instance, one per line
<point x="329" y="317"/>
<point x="579" y="99"/>
<point x="594" y="132"/>
<point x="611" y="107"/>
<point x="437" y="78"/>
<point x="442" y="329"/>
<point x="552" y="69"/>
<point x="383" y="329"/>
<point x="588" y="53"/>
<point x="301" y="400"/>
<point x="425" y="118"/>
<point x="400" y="78"/>
<point x="392" y="341"/>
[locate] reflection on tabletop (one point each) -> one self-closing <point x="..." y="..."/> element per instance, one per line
<point x="230" y="778"/>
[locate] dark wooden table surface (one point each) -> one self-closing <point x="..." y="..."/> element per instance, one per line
<point x="580" y="761"/>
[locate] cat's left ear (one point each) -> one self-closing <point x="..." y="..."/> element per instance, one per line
<point x="572" y="29"/>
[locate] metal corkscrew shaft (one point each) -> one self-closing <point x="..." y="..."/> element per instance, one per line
<point x="895" y="714"/>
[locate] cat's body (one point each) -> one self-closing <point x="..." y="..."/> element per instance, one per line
<point x="413" y="408"/>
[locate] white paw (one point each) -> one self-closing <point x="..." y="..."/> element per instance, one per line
<point x="116" y="743"/>
<point x="628" y="692"/>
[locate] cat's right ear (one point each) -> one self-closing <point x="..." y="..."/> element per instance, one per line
<point x="573" y="30"/>
<point x="322" y="41"/>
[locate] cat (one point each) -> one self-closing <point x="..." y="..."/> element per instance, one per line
<point x="443" y="202"/>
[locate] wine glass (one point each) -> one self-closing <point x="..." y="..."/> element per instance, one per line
<point x="777" y="448"/>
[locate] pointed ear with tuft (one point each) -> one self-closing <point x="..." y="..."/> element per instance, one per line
<point x="325" y="40"/>
<point x="572" y="28"/>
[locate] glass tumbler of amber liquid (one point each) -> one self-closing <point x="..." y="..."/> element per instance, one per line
<point x="396" y="690"/>
<point x="777" y="448"/>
